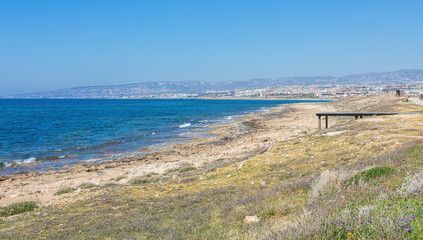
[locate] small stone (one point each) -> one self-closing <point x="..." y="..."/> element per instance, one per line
<point x="251" y="219"/>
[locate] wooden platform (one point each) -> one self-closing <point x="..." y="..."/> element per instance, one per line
<point x="353" y="114"/>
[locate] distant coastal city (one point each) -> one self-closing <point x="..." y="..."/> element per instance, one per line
<point x="320" y="87"/>
<point x="296" y="91"/>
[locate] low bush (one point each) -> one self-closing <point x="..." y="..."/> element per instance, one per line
<point x="64" y="191"/>
<point x="173" y="170"/>
<point x="17" y="208"/>
<point x="371" y="174"/>
<point x="151" y="174"/>
<point x="139" y="181"/>
<point x="87" y="185"/>
<point x="186" y="169"/>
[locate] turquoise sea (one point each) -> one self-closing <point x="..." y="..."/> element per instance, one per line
<point x="58" y="132"/>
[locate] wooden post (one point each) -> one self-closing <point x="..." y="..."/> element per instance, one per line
<point x="320" y="123"/>
<point x="327" y="122"/>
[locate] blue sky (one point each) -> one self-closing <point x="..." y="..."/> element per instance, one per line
<point x="47" y="45"/>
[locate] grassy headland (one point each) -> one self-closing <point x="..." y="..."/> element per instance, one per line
<point x="359" y="179"/>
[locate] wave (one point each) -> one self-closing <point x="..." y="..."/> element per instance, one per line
<point x="93" y="160"/>
<point x="184" y="134"/>
<point x="264" y="109"/>
<point x="20" y="162"/>
<point x="184" y="125"/>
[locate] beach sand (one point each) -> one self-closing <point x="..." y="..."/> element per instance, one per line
<point x="234" y="142"/>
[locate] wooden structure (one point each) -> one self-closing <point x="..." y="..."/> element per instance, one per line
<point x="353" y="114"/>
<point x="399" y="93"/>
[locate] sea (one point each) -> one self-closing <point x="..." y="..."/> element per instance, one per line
<point x="47" y="134"/>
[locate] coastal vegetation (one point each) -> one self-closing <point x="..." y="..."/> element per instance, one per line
<point x="356" y="180"/>
<point x="64" y="191"/>
<point x="87" y="185"/>
<point x="17" y="208"/>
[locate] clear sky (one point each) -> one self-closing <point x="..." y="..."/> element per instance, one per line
<point x="46" y="45"/>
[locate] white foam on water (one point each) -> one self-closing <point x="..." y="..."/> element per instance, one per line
<point x="20" y="161"/>
<point x="93" y="160"/>
<point x="185" y="125"/>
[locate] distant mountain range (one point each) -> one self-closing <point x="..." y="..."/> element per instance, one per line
<point x="401" y="77"/>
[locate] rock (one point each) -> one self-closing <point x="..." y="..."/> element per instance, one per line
<point x="240" y="165"/>
<point x="251" y="219"/>
<point x="3" y="177"/>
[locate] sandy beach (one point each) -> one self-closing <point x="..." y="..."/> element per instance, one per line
<point x="237" y="141"/>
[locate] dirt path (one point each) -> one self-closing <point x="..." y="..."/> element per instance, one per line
<point x="416" y="101"/>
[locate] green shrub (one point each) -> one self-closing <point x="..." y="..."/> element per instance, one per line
<point x="139" y="181"/>
<point x="64" y="191"/>
<point x="371" y="174"/>
<point x="151" y="174"/>
<point x="376" y="172"/>
<point x="186" y="169"/>
<point x="173" y="170"/>
<point x="87" y="185"/>
<point x="17" y="208"/>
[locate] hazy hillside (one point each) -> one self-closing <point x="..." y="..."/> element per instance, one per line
<point x="402" y="77"/>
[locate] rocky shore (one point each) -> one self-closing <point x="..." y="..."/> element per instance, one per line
<point x="245" y="137"/>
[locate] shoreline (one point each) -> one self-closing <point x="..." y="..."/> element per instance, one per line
<point x="192" y="133"/>
<point x="243" y="138"/>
